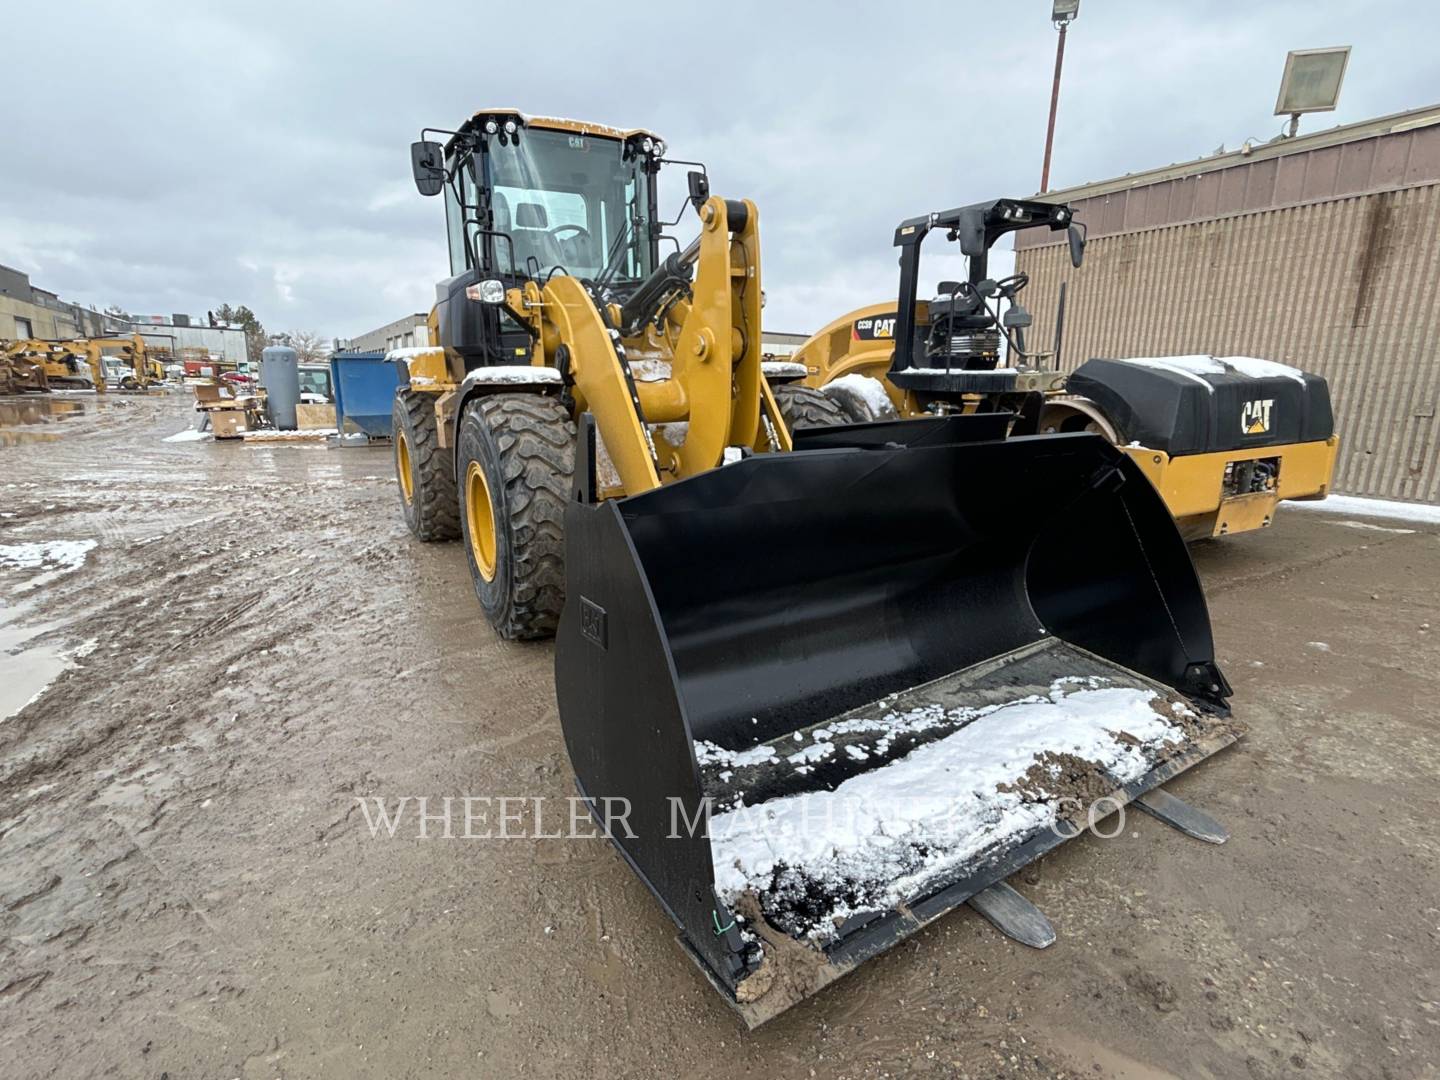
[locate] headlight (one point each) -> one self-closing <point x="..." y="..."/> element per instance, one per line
<point x="647" y="144"/>
<point x="491" y="127"/>
<point x="489" y="291"/>
<point x="509" y="127"/>
<point x="659" y="148"/>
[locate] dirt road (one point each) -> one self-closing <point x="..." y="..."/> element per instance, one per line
<point x="188" y="888"/>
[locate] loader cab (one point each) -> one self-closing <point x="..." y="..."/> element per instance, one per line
<point x="527" y="199"/>
<point x="950" y="345"/>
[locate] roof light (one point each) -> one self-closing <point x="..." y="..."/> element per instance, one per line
<point x="509" y="127"/>
<point x="647" y="144"/>
<point x="659" y="147"/>
<point x="491" y="127"/>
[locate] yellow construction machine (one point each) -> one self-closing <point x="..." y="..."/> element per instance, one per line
<point x="1224" y="439"/>
<point x="820" y="685"/>
<point x="82" y="363"/>
<point x="560" y="304"/>
<point x="124" y="361"/>
<point x="65" y="364"/>
<point x="21" y="371"/>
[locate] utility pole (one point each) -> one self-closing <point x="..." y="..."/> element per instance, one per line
<point x="1062" y="13"/>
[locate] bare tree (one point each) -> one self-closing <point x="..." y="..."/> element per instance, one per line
<point x="308" y="345"/>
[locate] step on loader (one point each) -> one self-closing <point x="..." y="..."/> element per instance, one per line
<point x="820" y="683"/>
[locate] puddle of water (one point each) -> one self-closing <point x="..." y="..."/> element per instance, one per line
<point x="25" y="672"/>
<point x="30" y="419"/>
<point x="40" y="409"/>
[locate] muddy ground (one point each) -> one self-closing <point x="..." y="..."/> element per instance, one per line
<point x="188" y="890"/>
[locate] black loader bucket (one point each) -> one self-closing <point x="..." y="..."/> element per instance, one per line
<point x="822" y="698"/>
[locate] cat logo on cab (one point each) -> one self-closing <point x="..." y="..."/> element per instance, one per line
<point x="1255" y="416"/>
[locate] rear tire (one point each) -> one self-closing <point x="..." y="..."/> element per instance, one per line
<point x="516" y="457"/>
<point x="424" y="470"/>
<point x="802" y="407"/>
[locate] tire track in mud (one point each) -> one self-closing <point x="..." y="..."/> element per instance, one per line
<point x="184" y="602"/>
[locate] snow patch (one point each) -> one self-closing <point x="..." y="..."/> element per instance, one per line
<point x="869" y="389"/>
<point x="961" y="371"/>
<point x="783" y="369"/>
<point x="1372" y="527"/>
<point x="55" y="558"/>
<point x="408" y="354"/>
<point x="188" y="435"/>
<point x="1196" y="366"/>
<point x="674" y="433"/>
<point x="512" y="375"/>
<point x="651" y="370"/>
<point x="1424" y="513"/>
<point x="882" y="837"/>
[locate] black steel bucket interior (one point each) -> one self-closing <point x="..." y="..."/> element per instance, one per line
<point x="794" y="587"/>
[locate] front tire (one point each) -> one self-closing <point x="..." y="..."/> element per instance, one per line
<point x="424" y="470"/>
<point x="515" y="460"/>
<point x="802" y="407"/>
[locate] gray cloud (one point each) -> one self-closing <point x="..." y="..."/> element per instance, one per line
<point x="187" y="154"/>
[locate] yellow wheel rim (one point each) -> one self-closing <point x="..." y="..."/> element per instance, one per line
<point x="480" y="520"/>
<point x="402" y="466"/>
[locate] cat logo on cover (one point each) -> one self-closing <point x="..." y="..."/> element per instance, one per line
<point x="875" y="328"/>
<point x="1255" y="416"/>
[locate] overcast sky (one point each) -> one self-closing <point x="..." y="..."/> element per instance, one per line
<point x="170" y="157"/>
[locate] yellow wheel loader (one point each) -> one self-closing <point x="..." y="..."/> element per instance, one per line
<point x="1224" y="439"/>
<point x="820" y="695"/>
<point x="559" y="304"/>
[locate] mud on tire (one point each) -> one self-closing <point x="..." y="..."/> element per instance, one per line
<point x="523" y="446"/>
<point x="431" y="508"/>
<point x="803" y="407"/>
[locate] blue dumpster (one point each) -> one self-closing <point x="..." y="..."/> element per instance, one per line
<point x="364" y="391"/>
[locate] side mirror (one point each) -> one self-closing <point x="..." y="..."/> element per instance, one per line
<point x="427" y="162"/>
<point x="947" y="288"/>
<point x="1077" y="245"/>
<point x="699" y="188"/>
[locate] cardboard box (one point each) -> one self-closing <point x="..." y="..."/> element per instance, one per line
<point x="314" y="416"/>
<point x="210" y="396"/>
<point x="228" y="423"/>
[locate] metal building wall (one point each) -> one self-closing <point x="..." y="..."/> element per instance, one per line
<point x="1347" y="287"/>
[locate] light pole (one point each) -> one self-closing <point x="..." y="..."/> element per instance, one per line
<point x="1061" y="14"/>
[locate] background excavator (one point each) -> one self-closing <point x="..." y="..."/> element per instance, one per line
<point x="63" y="365"/>
<point x="819" y="685"/>
<point x="79" y="364"/>
<point x="1223" y="439"/>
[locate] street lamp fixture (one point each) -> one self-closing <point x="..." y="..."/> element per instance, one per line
<point x="1062" y="13"/>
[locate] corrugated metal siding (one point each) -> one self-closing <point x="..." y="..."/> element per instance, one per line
<point x="1278" y="174"/>
<point x="1348" y="288"/>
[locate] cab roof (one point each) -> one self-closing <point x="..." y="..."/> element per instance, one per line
<point x="551" y="123"/>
